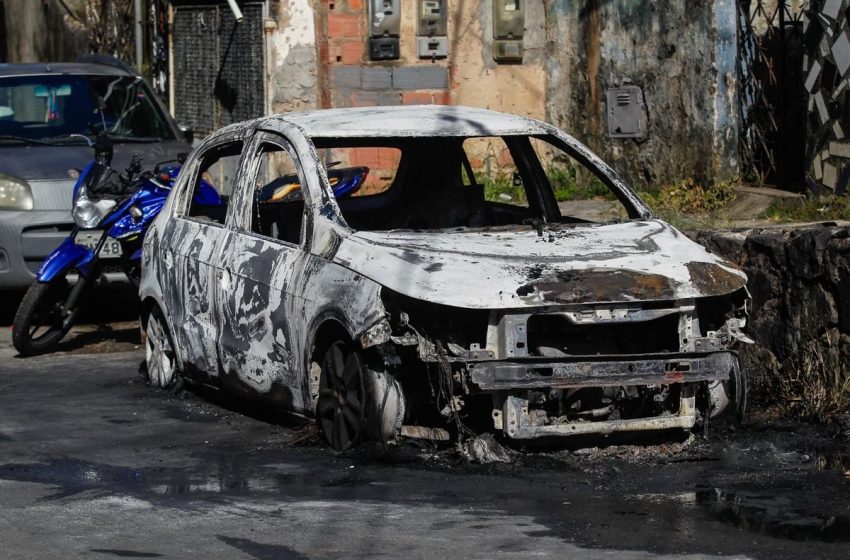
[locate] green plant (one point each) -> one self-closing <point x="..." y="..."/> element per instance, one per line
<point x="688" y="197"/>
<point x="501" y="188"/>
<point x="565" y="186"/>
<point x="828" y="207"/>
<point x="688" y="204"/>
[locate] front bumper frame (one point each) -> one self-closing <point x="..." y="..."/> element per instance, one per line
<point x="597" y="371"/>
<point x="516" y="424"/>
<point x="601" y="371"/>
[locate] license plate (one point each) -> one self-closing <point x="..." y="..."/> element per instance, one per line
<point x="111" y="247"/>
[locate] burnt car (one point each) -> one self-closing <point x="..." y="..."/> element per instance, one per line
<point x="461" y="291"/>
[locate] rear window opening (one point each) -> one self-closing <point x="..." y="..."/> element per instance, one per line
<point x="452" y="182"/>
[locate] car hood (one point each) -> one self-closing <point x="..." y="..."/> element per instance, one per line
<point x="518" y="267"/>
<point x="41" y="163"/>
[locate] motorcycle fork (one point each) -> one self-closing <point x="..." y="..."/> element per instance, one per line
<point x="82" y="281"/>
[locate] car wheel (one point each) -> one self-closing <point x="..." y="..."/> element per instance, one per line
<point x="727" y="399"/>
<point x="340" y="408"/>
<point x="160" y="358"/>
<point x="738" y="388"/>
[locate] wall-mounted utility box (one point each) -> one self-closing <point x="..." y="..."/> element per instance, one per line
<point x="384" y="27"/>
<point x="432" y="47"/>
<point x="626" y="112"/>
<point x="384" y="48"/>
<point x="431" y="29"/>
<point x="508" y="30"/>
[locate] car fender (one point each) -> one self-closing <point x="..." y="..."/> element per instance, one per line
<point x="150" y="291"/>
<point x="69" y="255"/>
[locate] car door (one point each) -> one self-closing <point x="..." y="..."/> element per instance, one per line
<point x="261" y="251"/>
<point x="195" y="239"/>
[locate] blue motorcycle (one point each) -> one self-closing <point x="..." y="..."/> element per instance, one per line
<point x="111" y="211"/>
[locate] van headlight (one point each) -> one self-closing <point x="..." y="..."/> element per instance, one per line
<point x="15" y="194"/>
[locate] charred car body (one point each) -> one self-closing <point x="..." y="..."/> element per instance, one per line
<point x="435" y="304"/>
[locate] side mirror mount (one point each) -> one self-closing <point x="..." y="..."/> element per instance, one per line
<point x="187" y="132"/>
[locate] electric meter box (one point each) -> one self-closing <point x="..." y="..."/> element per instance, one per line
<point x="384" y="27"/>
<point x="431" y="29"/>
<point x="508" y="30"/>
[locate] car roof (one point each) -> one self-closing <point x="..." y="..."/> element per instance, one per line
<point x="53" y="68"/>
<point x="410" y="121"/>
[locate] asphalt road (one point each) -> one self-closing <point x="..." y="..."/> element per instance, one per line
<point x="94" y="464"/>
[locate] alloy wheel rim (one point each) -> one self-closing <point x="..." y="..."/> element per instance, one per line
<point x="159" y="355"/>
<point x="340" y="407"/>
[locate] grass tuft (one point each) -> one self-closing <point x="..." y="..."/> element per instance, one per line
<point x="812" y="209"/>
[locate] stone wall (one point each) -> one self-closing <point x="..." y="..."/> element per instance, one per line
<point x="799" y="279"/>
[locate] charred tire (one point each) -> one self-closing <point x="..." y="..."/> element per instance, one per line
<point x="42" y="319"/>
<point x="160" y="358"/>
<point x="727" y="399"/>
<point x="386" y="407"/>
<point x="341" y="406"/>
<point x="738" y="388"/>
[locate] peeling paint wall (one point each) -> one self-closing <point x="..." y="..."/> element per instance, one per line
<point x="682" y="54"/>
<point x="468" y="76"/>
<point x="294" y="81"/>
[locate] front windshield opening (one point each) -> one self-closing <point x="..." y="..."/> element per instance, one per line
<point x="480" y="182"/>
<point x="52" y="108"/>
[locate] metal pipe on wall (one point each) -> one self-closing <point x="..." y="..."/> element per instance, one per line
<point x="234" y="7"/>
<point x="170" y="58"/>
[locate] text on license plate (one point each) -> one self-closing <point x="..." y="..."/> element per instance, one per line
<point x="111" y="247"/>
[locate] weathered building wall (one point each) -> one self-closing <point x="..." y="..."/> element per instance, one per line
<point x="293" y="57"/>
<point x="469" y="75"/>
<point x="681" y="54"/>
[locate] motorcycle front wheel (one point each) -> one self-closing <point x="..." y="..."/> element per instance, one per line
<point x="42" y="319"/>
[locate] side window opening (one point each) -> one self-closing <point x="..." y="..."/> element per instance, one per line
<point x="213" y="184"/>
<point x="277" y="206"/>
<point x="581" y="196"/>
<point x="360" y="170"/>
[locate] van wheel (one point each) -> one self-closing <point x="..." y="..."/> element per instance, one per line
<point x="340" y="409"/>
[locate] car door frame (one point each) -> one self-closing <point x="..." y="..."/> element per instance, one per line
<point x="198" y="350"/>
<point x="256" y="349"/>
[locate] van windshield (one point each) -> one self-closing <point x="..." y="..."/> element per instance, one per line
<point x="50" y="108"/>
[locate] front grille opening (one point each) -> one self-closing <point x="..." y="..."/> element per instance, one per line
<point x="550" y="335"/>
<point x="600" y="404"/>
